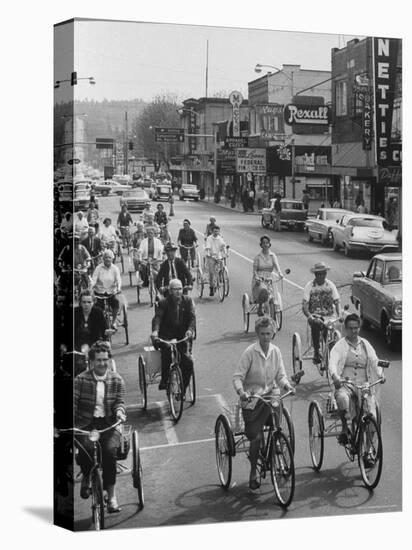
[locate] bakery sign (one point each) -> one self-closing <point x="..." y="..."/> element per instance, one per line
<point x="251" y="160"/>
<point x="306" y="114"/>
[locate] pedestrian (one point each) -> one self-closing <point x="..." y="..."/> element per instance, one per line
<point x="305" y="200"/>
<point x="259" y="199"/>
<point x="251" y="199"/>
<point x="336" y="204"/>
<point x="244" y="198"/>
<point x="278" y="209"/>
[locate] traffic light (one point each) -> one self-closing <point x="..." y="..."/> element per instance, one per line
<point x="131" y="145"/>
<point x="74" y="78"/>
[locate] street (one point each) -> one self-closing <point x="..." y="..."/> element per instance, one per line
<point x="180" y="478"/>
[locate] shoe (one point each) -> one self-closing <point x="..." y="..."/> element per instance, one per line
<point x="260" y="310"/>
<point x="254" y="484"/>
<point x="368" y="460"/>
<point x="211" y="292"/>
<point x="85" y="487"/>
<point x="162" y="385"/>
<point x="113" y="506"/>
<point x="343" y="438"/>
<point x="317" y="358"/>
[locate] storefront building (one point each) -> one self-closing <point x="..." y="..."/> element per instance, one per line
<point x="366" y="125"/>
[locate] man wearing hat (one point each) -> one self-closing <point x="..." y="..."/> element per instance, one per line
<point x="172" y="268"/>
<point x="320" y="299"/>
<point x="187" y="239"/>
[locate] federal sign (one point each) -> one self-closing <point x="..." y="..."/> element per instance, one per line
<point x="170" y="135"/>
<point x="251" y="160"/>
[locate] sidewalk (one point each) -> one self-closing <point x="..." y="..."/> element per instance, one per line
<point x="226" y="204"/>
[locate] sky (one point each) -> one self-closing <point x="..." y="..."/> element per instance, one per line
<point x="140" y="60"/>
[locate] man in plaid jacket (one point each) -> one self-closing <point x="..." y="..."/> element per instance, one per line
<point x="99" y="403"/>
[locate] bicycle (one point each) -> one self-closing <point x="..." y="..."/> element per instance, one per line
<point x="116" y="248"/>
<point x="327" y="342"/>
<point x="122" y="318"/>
<point x="273" y="306"/>
<point x="126" y="237"/>
<point x="150" y="371"/>
<point x="191" y="263"/>
<point x="364" y="438"/>
<point x="95" y="473"/>
<point x="81" y="280"/>
<point x="151" y="276"/>
<point x="275" y="454"/>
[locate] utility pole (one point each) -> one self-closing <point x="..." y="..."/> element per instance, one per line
<point x="126" y="147"/>
<point x="293" y="169"/>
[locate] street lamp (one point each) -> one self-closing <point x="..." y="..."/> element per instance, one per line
<point x="259" y="66"/>
<point x="74" y="79"/>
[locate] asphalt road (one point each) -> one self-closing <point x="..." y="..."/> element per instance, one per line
<point x="179" y="468"/>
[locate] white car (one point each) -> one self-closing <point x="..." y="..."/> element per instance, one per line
<point x="357" y="232"/>
<point x="188" y="191"/>
<point x="320" y="227"/>
<point x="110" y="186"/>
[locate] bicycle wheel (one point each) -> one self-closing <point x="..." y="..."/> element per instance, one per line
<point x="276" y="314"/>
<point x="282" y="469"/>
<point x="316" y="435"/>
<point x="246" y="314"/>
<point x="191" y="389"/>
<point x="121" y="257"/>
<point x="137" y="470"/>
<point x="142" y="381"/>
<point x="199" y="283"/>
<point x="220" y="286"/>
<point x="224" y="447"/>
<point x="370" y="452"/>
<point x="226" y="279"/>
<point x="138" y="293"/>
<point x="97" y="500"/>
<point x="125" y="323"/>
<point x="288" y="428"/>
<point x="296" y="355"/>
<point x="175" y="392"/>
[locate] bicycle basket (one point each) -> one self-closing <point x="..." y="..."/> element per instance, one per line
<point x="153" y="360"/>
<point x="235" y="417"/>
<point x="124" y="448"/>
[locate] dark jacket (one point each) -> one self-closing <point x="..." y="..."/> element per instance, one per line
<point x="96" y="326"/>
<point x="93" y="245"/>
<point x="171" y="323"/>
<point x="182" y="273"/>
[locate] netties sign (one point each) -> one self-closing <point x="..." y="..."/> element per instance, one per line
<point x="385" y="60"/>
<point x="306" y="114"/>
<point x="251" y="160"/>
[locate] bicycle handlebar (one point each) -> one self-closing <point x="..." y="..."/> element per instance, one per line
<point x="188" y="247"/>
<point x="365" y="386"/>
<point x="172" y="342"/>
<point x="86" y="432"/>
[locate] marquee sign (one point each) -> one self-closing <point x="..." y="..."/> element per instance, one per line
<point x="385" y="59"/>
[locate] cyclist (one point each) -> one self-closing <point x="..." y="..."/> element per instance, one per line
<point x="148" y="214"/>
<point x="108" y="235"/>
<point x="93" y="216"/>
<point x="160" y="216"/>
<point x="80" y="225"/>
<point x="353" y="358"/>
<point x="98" y="403"/>
<point x="320" y="299"/>
<point x="89" y="322"/>
<point x="265" y="265"/>
<point x="72" y="256"/>
<point x="260" y="371"/>
<point x="172" y="268"/>
<point x="138" y="235"/>
<point x="150" y="248"/>
<point x="124" y="221"/>
<point x="187" y="238"/>
<point x="66" y="225"/>
<point x="164" y="235"/>
<point x="210" y="226"/>
<point x="106" y="280"/>
<point x="215" y="249"/>
<point x="174" y="318"/>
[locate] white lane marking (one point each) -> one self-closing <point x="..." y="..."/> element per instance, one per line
<point x="193" y="442"/>
<point x="161" y="404"/>
<point x="251" y="262"/>
<point x="377" y="507"/>
<point x="170" y="432"/>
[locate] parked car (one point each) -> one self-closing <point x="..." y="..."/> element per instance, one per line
<point x="106" y="187"/>
<point x="357" y="232"/>
<point x="188" y="191"/>
<point x="377" y="294"/>
<point x="135" y="199"/>
<point x="320" y="226"/>
<point x="163" y="192"/>
<point x="75" y="197"/>
<point x="293" y="214"/>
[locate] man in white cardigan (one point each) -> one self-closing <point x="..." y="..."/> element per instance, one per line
<point x="352" y="358"/>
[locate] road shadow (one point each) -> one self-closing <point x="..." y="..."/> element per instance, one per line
<point x="229" y="337"/>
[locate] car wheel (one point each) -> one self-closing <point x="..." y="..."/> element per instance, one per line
<point x="335" y="245"/>
<point x="310" y="237"/>
<point x="393" y="340"/>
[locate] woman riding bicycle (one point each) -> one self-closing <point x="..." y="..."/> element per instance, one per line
<point x="106" y="281"/>
<point x="265" y="266"/>
<point x="352" y="358"/>
<point x="260" y="371"/>
<point x="108" y="234"/>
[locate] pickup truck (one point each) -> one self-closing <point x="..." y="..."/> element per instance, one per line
<point x="293" y="214"/>
<point x="377" y="295"/>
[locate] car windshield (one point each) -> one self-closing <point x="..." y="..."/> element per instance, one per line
<point x="139" y="193"/>
<point x="366" y="222"/>
<point x="333" y="215"/>
<point x="290" y="205"/>
<point x="393" y="271"/>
